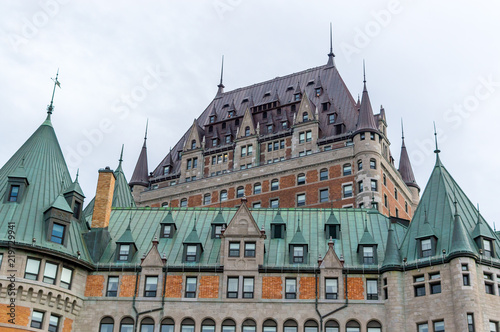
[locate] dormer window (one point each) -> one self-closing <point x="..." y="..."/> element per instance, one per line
<point x="296" y="96"/>
<point x="124" y="253"/>
<point x="487" y="248"/>
<point x="368" y="256"/>
<point x="191" y="253"/>
<point x="216" y="231"/>
<point x="167" y="231"/>
<point x="332" y="231"/>
<point x="324" y="106"/>
<point x="305" y="117"/>
<point x="270" y="129"/>
<point x="318" y="92"/>
<point x="331" y="118"/>
<point x="230" y="114"/>
<point x="247" y="131"/>
<point x="14" y="193"/>
<point x="193" y="144"/>
<point x="166" y="170"/>
<point x="427" y="247"/>
<point x="77" y="208"/>
<point x="57" y="234"/>
<point x="278" y="231"/>
<point x="214" y="142"/>
<point x="298" y="254"/>
<point x="212" y="119"/>
<point x="228" y="139"/>
<point x="284" y="125"/>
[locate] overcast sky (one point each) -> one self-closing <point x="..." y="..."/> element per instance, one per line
<point x="122" y="62"/>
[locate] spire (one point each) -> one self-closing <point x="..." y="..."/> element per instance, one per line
<point x="331" y="56"/>
<point x="121" y="159"/>
<point x="392" y="256"/>
<point x="50" y="108"/>
<point x="140" y="176"/>
<point x="366" y="120"/>
<point x="459" y="239"/>
<point x="221" y="86"/>
<point x="481" y="229"/>
<point x="405" y="168"/>
<point x="436" y="141"/>
<point x="75" y="186"/>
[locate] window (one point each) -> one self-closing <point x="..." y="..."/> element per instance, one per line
<point x="151" y="286"/>
<point x="493" y="326"/>
<point x="426" y="247"/>
<point x="184" y="202"/>
<point x="76" y="210"/>
<point x="270" y="129"/>
<point x="187" y="325"/>
<point x="466" y="279"/>
<point x="124" y="252"/>
<point x="195" y="162"/>
<point x="301" y="179"/>
<point x="360" y="186"/>
<point x="374" y="185"/>
<point x="374" y="326"/>
<point x="275" y="184"/>
<point x="248" y="326"/>
<point x="435" y="287"/>
<point x="147" y="325"/>
<point x="208" y="325"/>
<point x="269" y="147"/>
<point x="240" y="192"/>
<point x="371" y="289"/>
<point x="352" y="326"/>
<point x="385" y="180"/>
<point x="257" y="188"/>
<point x="50" y="273"/>
<point x="274" y="203"/>
<point x="14" y="193"/>
<point x="212" y="119"/>
<point x="228" y="325"/>
<point x="190" y="287"/>
<point x="323" y="195"/>
<point x="247" y="131"/>
<point x="470" y="322"/>
<point x="406" y="207"/>
<point x="188" y="164"/>
<point x="310" y="326"/>
<point x="298" y="254"/>
<point x="423" y="327"/>
<point x="107" y="324"/>
<point x="331" y="118"/>
<point x="243" y="151"/>
<point x="53" y="323"/>
<point x="305" y="115"/>
<point x="302" y="137"/>
<point x="57" y="233"/>
<point x="290" y="326"/>
<point x="439" y="326"/>
<point x="232" y="287"/>
<point x="228" y="139"/>
<point x="32" y="269"/>
<point x="489" y="288"/>
<point x="249" y="150"/>
<point x="419" y="278"/>
<point x="166" y="231"/>
<point x="323" y="174"/>
<point x="223" y="195"/>
<point x="372" y="136"/>
<point x="419" y="290"/>
<point x="249" y="249"/>
<point x="301" y="199"/>
<point x="37" y="319"/>
<point x="360" y="165"/>
<point x="386" y="201"/>
<point x="362" y="136"/>
<point x="332" y="326"/>
<point x="112" y="288"/>
<point x="248" y="288"/>
<point x="487" y="248"/>
<point x="290" y="288"/>
<point x="256" y="205"/>
<point x="308" y="136"/>
<point x="193" y="144"/>
<point x="66" y="276"/>
<point x="396" y="193"/>
<point x="191" y="251"/>
<point x="282" y="144"/>
<point x="347" y="190"/>
<point x="234" y="249"/>
<point x="346" y="169"/>
<point x="331" y="288"/>
<point x="373" y="164"/>
<point x="284" y="125"/>
<point x="206" y="199"/>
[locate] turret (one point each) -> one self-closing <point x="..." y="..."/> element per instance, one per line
<point x="406" y="172"/>
<point x="140" y="177"/>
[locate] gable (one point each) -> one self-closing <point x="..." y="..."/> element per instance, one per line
<point x="242" y="224"/>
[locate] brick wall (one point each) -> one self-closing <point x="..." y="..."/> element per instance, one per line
<point x="209" y="287"/>
<point x="94" y="285"/>
<point x="128" y="284"/>
<point x="307" y="288"/>
<point x="68" y="325"/>
<point x="272" y="288"/>
<point x="173" y="287"/>
<point x="103" y="199"/>
<point x="355" y="288"/>
<point x="22" y="318"/>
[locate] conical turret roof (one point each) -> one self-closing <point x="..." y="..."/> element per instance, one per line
<point x="140" y="176"/>
<point x="405" y="168"/>
<point x="392" y="255"/>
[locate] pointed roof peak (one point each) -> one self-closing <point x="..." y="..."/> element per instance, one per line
<point x="50" y="108"/>
<point x="221" y="85"/>
<point x="121" y="159"/>
<point x="405" y="168"/>
<point x="331" y="55"/>
<point x="437" y="151"/>
<point x="366" y="120"/>
<point x="364" y="74"/>
<point x="146" y="131"/>
<point x="140" y="175"/>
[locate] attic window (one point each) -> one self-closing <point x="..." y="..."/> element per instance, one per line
<point x="487" y="248"/>
<point x="332" y="231"/>
<point x="247" y="131"/>
<point x="331" y="118"/>
<point x="311" y="82"/>
<point x="324" y="106"/>
<point x="289" y="88"/>
<point x="57" y="234"/>
<point x="212" y="119"/>
<point x="191" y="253"/>
<point x="298" y="254"/>
<point x="264" y="115"/>
<point x="124" y="252"/>
<point x="210" y="129"/>
<point x="368" y="256"/>
<point x="267" y="94"/>
<point x="167" y="231"/>
<point x="225" y="105"/>
<point x="426" y="247"/>
<point x="296" y="97"/>
<point x="166" y="169"/>
<point x="14" y="193"/>
<point x="224" y="125"/>
<point x="244" y="100"/>
<point x="278" y="231"/>
<point x="318" y="92"/>
<point x="77" y="209"/>
<point x="230" y="114"/>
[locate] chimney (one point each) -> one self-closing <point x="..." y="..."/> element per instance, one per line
<point x="103" y="198"/>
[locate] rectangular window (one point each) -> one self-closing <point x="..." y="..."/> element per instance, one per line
<point x="232" y="287"/>
<point x="284" y="125"/>
<point x="372" y="136"/>
<point x="269" y="147"/>
<point x="50" y="273"/>
<point x="323" y="175"/>
<point x="37" y="319"/>
<point x="214" y="160"/>
<point x="396" y="193"/>
<point x="331" y="288"/>
<point x="167" y="231"/>
<point x="439" y="326"/>
<point x="112" y="288"/>
<point x="331" y="118"/>
<point x="323" y="195"/>
<point x="32" y="269"/>
<point x="240" y="192"/>
<point x="308" y="136"/>
<point x="470" y="322"/>
<point x="249" y="150"/>
<point x="249" y="249"/>
<point x="243" y="151"/>
<point x="225" y="157"/>
<point x="151" y="286"/>
<point x="426" y="248"/>
<point x="298" y="254"/>
<point x="282" y="144"/>
<point x="257" y="188"/>
<point x="14" y="193"/>
<point x="423" y="327"/>
<point x="190" y="287"/>
<point x="466" y="279"/>
<point x="493" y="326"/>
<point x="53" y="323"/>
<point x="124" y="252"/>
<point x="301" y="199"/>
<point x="301" y="179"/>
<point x="191" y="253"/>
<point x="57" y="235"/>
<point x="248" y="288"/>
<point x="347" y="190"/>
<point x="302" y="137"/>
<point x="290" y="288"/>
<point x="487" y="248"/>
<point x="276" y="145"/>
<point x="386" y="201"/>
<point x="274" y="203"/>
<point x="195" y="162"/>
<point x="66" y="277"/>
<point x="489" y="288"/>
<point x="371" y="289"/>
<point x="368" y="257"/>
<point x="373" y="164"/>
<point x="435" y="287"/>
<point x="374" y="185"/>
<point x="234" y="249"/>
<point x="206" y="199"/>
<point x="347" y="170"/>
<point x="360" y="186"/>
<point x="420" y="278"/>
<point x="419" y="290"/>
<point x="188" y="164"/>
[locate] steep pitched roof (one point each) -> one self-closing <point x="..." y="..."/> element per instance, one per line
<point x="392" y="255"/>
<point x="405" y="168"/>
<point x="366" y="120"/>
<point x="140" y="176"/>
<point x="75" y="186"/>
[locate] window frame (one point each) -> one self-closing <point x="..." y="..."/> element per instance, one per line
<point x="248" y="294"/>
<point x="112" y="292"/>
<point x="240" y="192"/>
<point x="233" y="285"/>
<point x="250" y="252"/>
<point x="189" y="292"/>
<point x="346" y="169"/>
<point x="301" y="179"/>
<point x="369" y="284"/>
<point x="323" y="174"/>
<point x="290" y="282"/>
<point x="52" y="327"/>
<point x="323" y="199"/>
<point x="331" y="295"/>
<point x="50" y="279"/>
<point x="234" y="252"/>
<point x="26" y="273"/>
<point x="63" y="283"/>
<point x="38" y="323"/>
<point x="149" y="292"/>
<point x="301" y="202"/>
<point x="56" y="238"/>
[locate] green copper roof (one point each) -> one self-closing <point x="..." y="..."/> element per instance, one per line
<point x="61" y="204"/>
<point x="192" y="238"/>
<point x="367" y="238"/>
<point x="392" y="256"/>
<point x="219" y="219"/>
<point x="168" y="218"/>
<point x="20" y="172"/>
<point x="75" y="186"/>
<point x="45" y="168"/>
<point x="460" y="242"/>
<point x="126" y="237"/>
<point x="482" y="229"/>
<point x="278" y="219"/>
<point x="332" y="220"/>
<point x="426" y="229"/>
<point x="298" y="238"/>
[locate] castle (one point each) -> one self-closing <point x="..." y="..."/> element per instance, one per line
<point x="179" y="255"/>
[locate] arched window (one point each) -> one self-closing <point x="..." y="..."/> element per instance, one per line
<point x="228" y="325"/>
<point x="311" y="326"/>
<point x="275" y="184"/>
<point x="207" y="199"/>
<point x="127" y="325"/>
<point x="107" y="324"/>
<point x="332" y="326"/>
<point x="352" y="326"/>
<point x="187" y="325"/>
<point x="290" y="326"/>
<point x="193" y="144"/>
<point x="240" y="192"/>
<point x="248" y="326"/>
<point x="164" y="204"/>
<point x="147" y="325"/>
<point x="223" y="195"/>
<point x="184" y="202"/>
<point x="305" y="116"/>
<point x="208" y="325"/>
<point x="167" y="325"/>
<point x="269" y="325"/>
<point x="257" y="188"/>
<point x="247" y="131"/>
<point x="374" y="326"/>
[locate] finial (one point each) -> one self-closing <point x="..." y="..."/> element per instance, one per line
<point x="121" y="157"/>
<point x="364" y="72"/>
<point x="22" y="161"/>
<point x="77" y="173"/>
<point x="436" y="140"/>
<point x="455" y="201"/>
<point x="146" y="133"/>
<point x="194" y="226"/>
<point x="129" y="221"/>
<point x="331" y="62"/>
<point x="50" y="108"/>
<point x="402" y="130"/>
<point x="221" y="73"/>
<point x="479" y="216"/>
<point x="298" y="224"/>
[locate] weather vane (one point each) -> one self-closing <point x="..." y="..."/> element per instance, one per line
<point x="50" y="108"/>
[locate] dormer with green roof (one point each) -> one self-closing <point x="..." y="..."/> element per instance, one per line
<point x="74" y="196"/>
<point x="367" y="248"/>
<point x="332" y="227"/>
<point x="193" y="247"/>
<point x="125" y="246"/>
<point x="298" y="248"/>
<point x="392" y="259"/>
<point x="218" y="224"/>
<point x="167" y="226"/>
<point x="17" y="184"/>
<point x="278" y="227"/>
<point x="484" y="238"/>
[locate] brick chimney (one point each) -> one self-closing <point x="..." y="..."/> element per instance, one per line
<point x="103" y="198"/>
